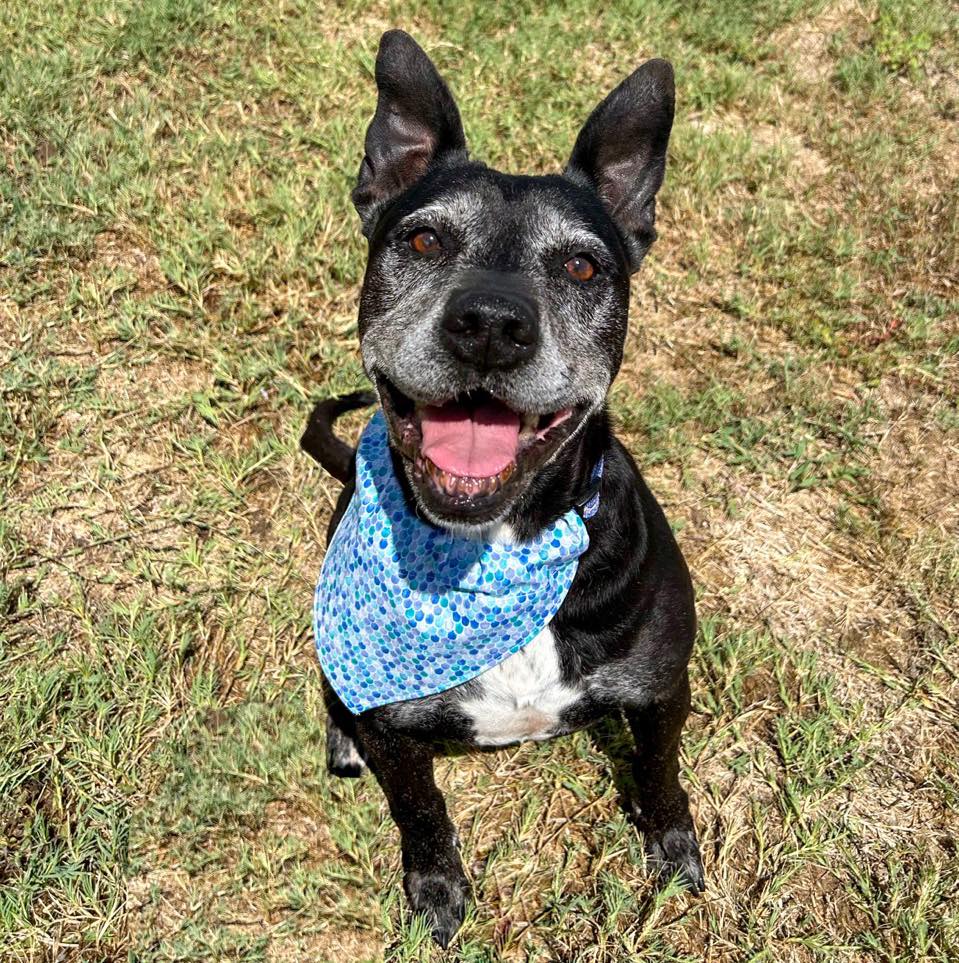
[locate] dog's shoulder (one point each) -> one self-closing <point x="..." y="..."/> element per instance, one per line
<point x="628" y="622"/>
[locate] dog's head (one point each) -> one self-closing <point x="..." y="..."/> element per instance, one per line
<point x="494" y="307"/>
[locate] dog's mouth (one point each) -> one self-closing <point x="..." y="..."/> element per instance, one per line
<point x="470" y="455"/>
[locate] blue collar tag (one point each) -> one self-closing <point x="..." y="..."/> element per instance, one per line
<point x="404" y="610"/>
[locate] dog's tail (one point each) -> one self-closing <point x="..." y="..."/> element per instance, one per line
<point x="319" y="442"/>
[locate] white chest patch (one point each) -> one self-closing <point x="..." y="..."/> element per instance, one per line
<point x="522" y="697"/>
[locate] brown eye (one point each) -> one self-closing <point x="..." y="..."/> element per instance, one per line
<point x="580" y="268"/>
<point x="425" y="242"/>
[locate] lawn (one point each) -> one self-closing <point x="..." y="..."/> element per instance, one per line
<point x="179" y="268"/>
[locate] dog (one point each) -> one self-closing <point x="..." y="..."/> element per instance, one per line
<point x="492" y="321"/>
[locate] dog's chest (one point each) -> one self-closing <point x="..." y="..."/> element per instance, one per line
<point x="521" y="698"/>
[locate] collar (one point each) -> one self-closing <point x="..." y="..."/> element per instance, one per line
<point x="588" y="502"/>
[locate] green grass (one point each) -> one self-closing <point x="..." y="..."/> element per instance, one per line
<point x="179" y="268"/>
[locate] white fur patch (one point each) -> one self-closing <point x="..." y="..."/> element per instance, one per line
<point x="522" y="697"/>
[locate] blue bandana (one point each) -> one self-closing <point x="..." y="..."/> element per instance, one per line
<point x="404" y="610"/>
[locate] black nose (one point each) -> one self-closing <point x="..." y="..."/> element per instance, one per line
<point x="490" y="331"/>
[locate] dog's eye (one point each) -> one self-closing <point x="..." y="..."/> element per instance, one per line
<point x="425" y="242"/>
<point x="580" y="268"/>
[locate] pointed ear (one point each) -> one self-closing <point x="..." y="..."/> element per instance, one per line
<point x="416" y="122"/>
<point x="621" y="152"/>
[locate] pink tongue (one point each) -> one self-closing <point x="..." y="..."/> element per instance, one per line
<point x="476" y="442"/>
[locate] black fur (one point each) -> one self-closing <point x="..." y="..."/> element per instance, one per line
<point x="625" y="631"/>
<point x="319" y="441"/>
<point x="621" y="152"/>
<point x="416" y="123"/>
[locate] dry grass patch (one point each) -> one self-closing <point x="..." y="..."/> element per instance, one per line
<point x="809" y="47"/>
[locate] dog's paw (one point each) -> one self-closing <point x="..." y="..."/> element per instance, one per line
<point x="441" y="896"/>
<point x="675" y="852"/>
<point x="342" y="756"/>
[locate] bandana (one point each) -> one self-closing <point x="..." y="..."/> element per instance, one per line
<point x="404" y="610"/>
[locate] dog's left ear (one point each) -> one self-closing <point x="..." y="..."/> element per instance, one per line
<point x="415" y="124"/>
<point x="621" y="152"/>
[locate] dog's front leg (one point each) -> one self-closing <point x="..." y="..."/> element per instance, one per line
<point x="433" y="872"/>
<point x="661" y="809"/>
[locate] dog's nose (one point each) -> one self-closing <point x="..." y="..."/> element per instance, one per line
<point x="490" y="331"/>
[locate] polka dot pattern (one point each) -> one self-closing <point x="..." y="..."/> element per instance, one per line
<point x="404" y="610"/>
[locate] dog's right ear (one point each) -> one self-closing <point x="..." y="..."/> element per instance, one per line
<point x="416" y="122"/>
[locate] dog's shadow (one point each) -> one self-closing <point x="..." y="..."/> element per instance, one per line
<point x="610" y="736"/>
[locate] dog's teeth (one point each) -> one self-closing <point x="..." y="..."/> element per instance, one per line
<point x="460" y="487"/>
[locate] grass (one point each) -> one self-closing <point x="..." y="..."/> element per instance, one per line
<point x="179" y="267"/>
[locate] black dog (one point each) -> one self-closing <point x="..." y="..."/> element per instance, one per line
<point x="493" y="298"/>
